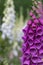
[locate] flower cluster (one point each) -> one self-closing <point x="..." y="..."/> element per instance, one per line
<point x="9" y="20"/>
<point x="32" y="47"/>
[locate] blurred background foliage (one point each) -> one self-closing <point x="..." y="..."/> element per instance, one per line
<point x="26" y="4"/>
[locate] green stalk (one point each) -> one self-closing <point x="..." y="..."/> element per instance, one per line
<point x="5" y="61"/>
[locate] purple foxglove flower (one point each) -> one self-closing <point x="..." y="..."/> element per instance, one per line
<point x="32" y="48"/>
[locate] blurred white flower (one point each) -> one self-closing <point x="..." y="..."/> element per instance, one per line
<point x="15" y="49"/>
<point x="19" y="48"/>
<point x="8" y="21"/>
<point x="3" y="36"/>
<point x="19" y="35"/>
<point x="20" y="23"/>
<point x="15" y="52"/>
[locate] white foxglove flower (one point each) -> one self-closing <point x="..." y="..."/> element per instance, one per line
<point x="15" y="52"/>
<point x="8" y="21"/>
<point x="19" y="26"/>
<point x="19" y="35"/>
<point x="3" y="36"/>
